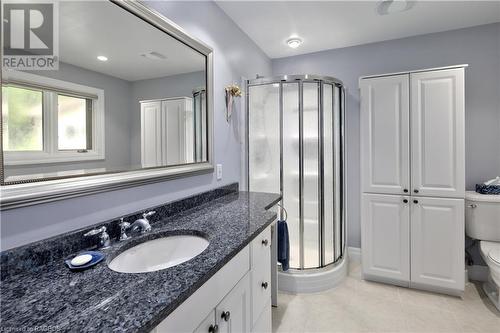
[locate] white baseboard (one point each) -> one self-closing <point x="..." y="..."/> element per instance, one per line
<point x="478" y="273"/>
<point x="354" y="254"/>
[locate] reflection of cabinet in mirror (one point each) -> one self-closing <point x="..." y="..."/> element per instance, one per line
<point x="167" y="132"/>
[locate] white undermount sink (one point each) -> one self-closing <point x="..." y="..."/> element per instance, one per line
<point x="158" y="254"/>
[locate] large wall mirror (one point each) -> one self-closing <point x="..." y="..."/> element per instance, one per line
<point x="131" y="94"/>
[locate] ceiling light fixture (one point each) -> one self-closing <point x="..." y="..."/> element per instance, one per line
<point x="102" y="58"/>
<point x="294" y="42"/>
<point x="154" y="55"/>
<point x="386" y="7"/>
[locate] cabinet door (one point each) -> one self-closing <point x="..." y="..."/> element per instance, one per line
<point x="233" y="312"/>
<point x="437" y="242"/>
<point x="172" y="131"/>
<point x="261" y="273"/>
<point x="385" y="238"/>
<point x="385" y="134"/>
<point x="151" y="134"/>
<point x="437" y="108"/>
<point x="264" y="323"/>
<point x="207" y="325"/>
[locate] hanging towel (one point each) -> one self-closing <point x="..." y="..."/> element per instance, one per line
<point x="283" y="245"/>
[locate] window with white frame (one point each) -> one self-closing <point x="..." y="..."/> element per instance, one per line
<point x="45" y="120"/>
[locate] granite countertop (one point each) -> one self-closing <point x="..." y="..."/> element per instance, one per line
<point x="53" y="298"/>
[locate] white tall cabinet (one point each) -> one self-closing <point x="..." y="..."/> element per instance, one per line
<point x="413" y="178"/>
<point x="167" y="132"/>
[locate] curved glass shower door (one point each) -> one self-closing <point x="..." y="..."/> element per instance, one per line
<point x="295" y="148"/>
<point x="264" y="152"/>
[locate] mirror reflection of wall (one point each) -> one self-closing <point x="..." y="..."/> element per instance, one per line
<point x="89" y="115"/>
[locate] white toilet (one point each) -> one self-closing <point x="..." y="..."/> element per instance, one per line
<point x="482" y="222"/>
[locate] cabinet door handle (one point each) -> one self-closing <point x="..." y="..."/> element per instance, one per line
<point x="265" y="285"/>
<point x="265" y="242"/>
<point x="415" y="190"/>
<point x="473" y="206"/>
<point x="213" y="328"/>
<point x="225" y="315"/>
<point x="405" y="190"/>
<point x="415" y="201"/>
<point x="405" y="200"/>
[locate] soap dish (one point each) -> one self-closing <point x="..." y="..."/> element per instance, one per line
<point x="97" y="257"/>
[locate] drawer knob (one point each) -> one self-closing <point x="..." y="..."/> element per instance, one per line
<point x="415" y="190"/>
<point x="225" y="315"/>
<point x="265" y="285"/>
<point x="415" y="201"/>
<point x="405" y="200"/>
<point x="265" y="242"/>
<point x="213" y="328"/>
<point x="405" y="190"/>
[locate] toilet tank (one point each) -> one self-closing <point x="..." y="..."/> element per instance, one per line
<point x="482" y="216"/>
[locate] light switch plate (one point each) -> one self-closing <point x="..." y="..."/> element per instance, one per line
<point x="219" y="171"/>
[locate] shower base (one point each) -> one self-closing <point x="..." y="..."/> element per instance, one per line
<point x="313" y="280"/>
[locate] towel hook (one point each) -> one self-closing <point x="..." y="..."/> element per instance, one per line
<point x="283" y="210"/>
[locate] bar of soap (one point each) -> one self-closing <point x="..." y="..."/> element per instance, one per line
<point x="81" y="260"/>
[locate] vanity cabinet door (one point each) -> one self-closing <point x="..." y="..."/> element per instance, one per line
<point x="385" y="238"/>
<point x="233" y="313"/>
<point x="385" y="135"/>
<point x="208" y="325"/>
<point x="261" y="273"/>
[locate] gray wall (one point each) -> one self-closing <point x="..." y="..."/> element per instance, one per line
<point x="118" y="117"/>
<point x="235" y="55"/>
<point x="169" y="86"/>
<point x="478" y="46"/>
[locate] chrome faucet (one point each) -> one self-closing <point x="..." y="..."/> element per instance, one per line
<point x="103" y="237"/>
<point x="142" y="225"/>
<point x="123" y="229"/>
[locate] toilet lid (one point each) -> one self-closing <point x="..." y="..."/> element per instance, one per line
<point x="494" y="255"/>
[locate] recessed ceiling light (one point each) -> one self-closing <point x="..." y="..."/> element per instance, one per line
<point x="102" y="58"/>
<point x="386" y="7"/>
<point x="294" y="42"/>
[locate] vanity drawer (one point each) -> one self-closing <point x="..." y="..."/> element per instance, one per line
<point x="261" y="273"/>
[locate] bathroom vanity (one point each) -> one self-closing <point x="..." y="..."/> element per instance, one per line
<point x="235" y="299"/>
<point x="224" y="288"/>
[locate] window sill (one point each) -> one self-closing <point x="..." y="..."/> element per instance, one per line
<point x="44" y="158"/>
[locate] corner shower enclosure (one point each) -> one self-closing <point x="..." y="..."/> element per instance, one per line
<point x="295" y="147"/>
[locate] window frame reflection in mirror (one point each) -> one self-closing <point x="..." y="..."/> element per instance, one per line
<point x="51" y="89"/>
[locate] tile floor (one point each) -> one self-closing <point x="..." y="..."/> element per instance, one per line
<point x="361" y="306"/>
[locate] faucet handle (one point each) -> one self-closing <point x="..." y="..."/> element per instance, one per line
<point x="123" y="224"/>
<point x="148" y="214"/>
<point x="104" y="237"/>
<point x="123" y="229"/>
<point x="96" y="231"/>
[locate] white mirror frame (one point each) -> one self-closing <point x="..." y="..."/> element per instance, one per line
<point x="36" y="192"/>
